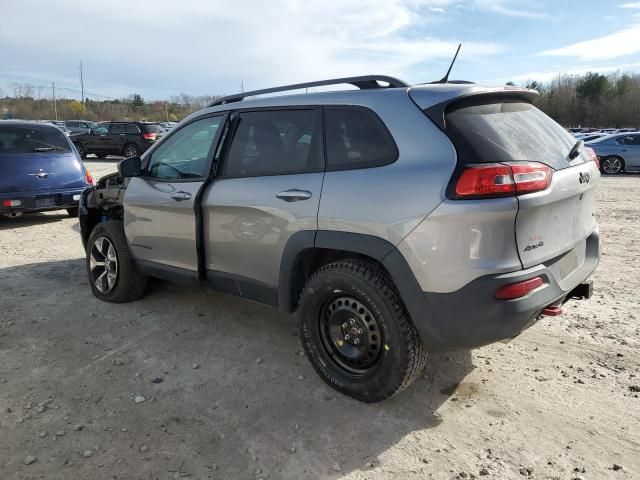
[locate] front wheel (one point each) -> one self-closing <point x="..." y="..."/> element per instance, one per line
<point x="113" y="275"/>
<point x="357" y="333"/>
<point x="612" y="165"/>
<point x="130" y="151"/>
<point x="80" y="150"/>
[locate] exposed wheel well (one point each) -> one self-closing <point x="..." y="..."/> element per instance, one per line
<point x="311" y="259"/>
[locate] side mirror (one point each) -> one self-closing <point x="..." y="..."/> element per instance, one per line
<point x="130" y="167"/>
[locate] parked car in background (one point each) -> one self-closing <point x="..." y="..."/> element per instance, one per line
<point x="129" y="139"/>
<point x="608" y="131"/>
<point x="627" y="130"/>
<point x="588" y="137"/>
<point x="396" y="219"/>
<point x="618" y="153"/>
<point x="79" y="126"/>
<point x="168" y="125"/>
<point x="39" y="169"/>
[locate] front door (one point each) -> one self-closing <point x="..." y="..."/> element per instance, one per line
<point x="267" y="189"/>
<point x="159" y="206"/>
<point x="98" y="140"/>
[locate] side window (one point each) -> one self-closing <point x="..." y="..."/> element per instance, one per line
<point x="276" y="142"/>
<point x="101" y="129"/>
<point x="116" y="128"/>
<point x="356" y="138"/>
<point x="131" y="128"/>
<point x="633" y="140"/>
<point x="185" y="154"/>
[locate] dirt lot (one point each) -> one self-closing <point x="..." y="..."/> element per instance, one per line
<point x="228" y="394"/>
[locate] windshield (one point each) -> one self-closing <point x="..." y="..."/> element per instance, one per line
<point x="507" y="130"/>
<point x="31" y="138"/>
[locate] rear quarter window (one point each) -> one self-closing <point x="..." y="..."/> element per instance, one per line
<point x="506" y="130"/>
<point x="356" y="138"/>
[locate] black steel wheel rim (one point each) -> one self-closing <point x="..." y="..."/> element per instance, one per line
<point x="350" y="335"/>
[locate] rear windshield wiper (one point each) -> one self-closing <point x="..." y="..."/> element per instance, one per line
<point x="575" y="150"/>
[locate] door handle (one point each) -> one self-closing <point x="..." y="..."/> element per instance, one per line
<point x="294" y="195"/>
<point x="180" y="196"/>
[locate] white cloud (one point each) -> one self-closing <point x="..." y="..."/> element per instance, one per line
<point x="630" y="5"/>
<point x="204" y="46"/>
<point x="546" y="75"/>
<point x="618" y="44"/>
<point x="526" y="9"/>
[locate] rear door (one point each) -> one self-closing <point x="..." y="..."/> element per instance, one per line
<point x="159" y="206"/>
<point x="631" y="150"/>
<point x="267" y="189"/>
<point x="116" y="138"/>
<point x="549" y="222"/>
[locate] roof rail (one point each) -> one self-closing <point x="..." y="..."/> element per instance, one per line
<point x="363" y="82"/>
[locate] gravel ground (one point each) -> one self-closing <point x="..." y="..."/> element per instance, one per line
<point x="190" y="385"/>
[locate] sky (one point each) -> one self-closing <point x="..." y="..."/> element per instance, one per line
<point x="159" y="48"/>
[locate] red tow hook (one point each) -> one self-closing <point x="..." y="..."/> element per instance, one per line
<point x="552" y="311"/>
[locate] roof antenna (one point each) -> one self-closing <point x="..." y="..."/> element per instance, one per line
<point x="445" y="79"/>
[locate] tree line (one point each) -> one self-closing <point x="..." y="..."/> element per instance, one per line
<point x="589" y="100"/>
<point x="23" y="105"/>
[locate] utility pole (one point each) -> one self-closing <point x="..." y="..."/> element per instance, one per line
<point x="166" y="110"/>
<point x="241" y="86"/>
<point x="81" y="82"/>
<point x="55" y="107"/>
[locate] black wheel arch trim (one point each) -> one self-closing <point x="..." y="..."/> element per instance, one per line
<point x="367" y="245"/>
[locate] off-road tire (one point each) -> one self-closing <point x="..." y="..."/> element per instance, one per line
<point x="403" y="356"/>
<point x="130" y="284"/>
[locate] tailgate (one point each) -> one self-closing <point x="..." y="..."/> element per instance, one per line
<point x="560" y="218"/>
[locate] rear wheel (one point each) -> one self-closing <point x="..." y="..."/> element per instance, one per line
<point x="357" y="333"/>
<point x="72" y="212"/>
<point x="130" y="151"/>
<point x="113" y="276"/>
<point x="612" y="165"/>
<point x="80" y="150"/>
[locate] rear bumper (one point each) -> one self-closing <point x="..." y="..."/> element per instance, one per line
<point x="471" y="317"/>
<point x="40" y="201"/>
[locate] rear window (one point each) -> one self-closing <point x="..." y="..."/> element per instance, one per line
<point x="150" y="128"/>
<point x="505" y="131"/>
<point x="30" y="139"/>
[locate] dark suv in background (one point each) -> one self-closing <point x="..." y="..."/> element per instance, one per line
<point x="129" y="139"/>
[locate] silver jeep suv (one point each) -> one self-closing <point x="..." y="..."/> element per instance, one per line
<point x="395" y="219"/>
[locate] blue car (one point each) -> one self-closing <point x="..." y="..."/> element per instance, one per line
<point x="40" y="169"/>
<point x="618" y="153"/>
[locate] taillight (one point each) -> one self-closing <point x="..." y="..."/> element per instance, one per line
<point x="11" y="203"/>
<point x="150" y="136"/>
<point x="519" y="289"/>
<point x="502" y="179"/>
<point x="591" y="152"/>
<point x="88" y="178"/>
